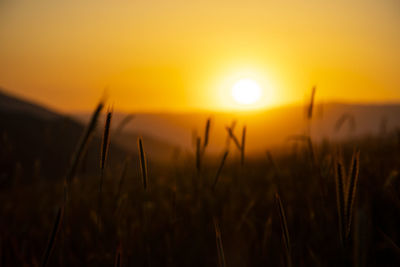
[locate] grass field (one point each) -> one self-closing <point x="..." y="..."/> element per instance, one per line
<point x="293" y="207"/>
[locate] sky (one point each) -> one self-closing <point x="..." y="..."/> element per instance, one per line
<point x="186" y="55"/>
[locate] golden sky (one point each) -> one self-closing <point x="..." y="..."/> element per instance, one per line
<point x="185" y="55"/>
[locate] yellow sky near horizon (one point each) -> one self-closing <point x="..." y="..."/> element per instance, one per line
<point x="185" y="55"/>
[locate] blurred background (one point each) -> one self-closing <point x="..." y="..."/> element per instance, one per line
<point x="208" y="133"/>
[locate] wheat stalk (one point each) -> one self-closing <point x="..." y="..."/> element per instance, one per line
<point x="143" y="163"/>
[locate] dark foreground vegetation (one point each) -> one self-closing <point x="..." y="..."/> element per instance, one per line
<point x="328" y="204"/>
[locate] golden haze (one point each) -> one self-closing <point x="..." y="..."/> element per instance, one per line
<point x="176" y="55"/>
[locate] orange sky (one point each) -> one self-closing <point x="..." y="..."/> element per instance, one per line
<point x="180" y="55"/>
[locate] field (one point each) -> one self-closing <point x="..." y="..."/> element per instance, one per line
<point x="311" y="204"/>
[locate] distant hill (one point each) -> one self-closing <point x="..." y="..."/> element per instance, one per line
<point x="38" y="142"/>
<point x="265" y="129"/>
<point x="14" y="105"/>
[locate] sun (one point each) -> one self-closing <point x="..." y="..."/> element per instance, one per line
<point x="246" y="92"/>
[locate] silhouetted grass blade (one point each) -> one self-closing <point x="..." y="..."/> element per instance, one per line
<point x="340" y="198"/>
<point x="198" y="154"/>
<point x="233" y="137"/>
<point x="242" y="147"/>
<point x="311" y="105"/>
<point x="117" y="262"/>
<point x="285" y="230"/>
<point x="221" y="165"/>
<point x="352" y="189"/>
<point x="220" y="248"/>
<point x="143" y="163"/>
<point x="207" y="132"/>
<point x="84" y="142"/>
<point x="106" y="140"/>
<point x="53" y="236"/>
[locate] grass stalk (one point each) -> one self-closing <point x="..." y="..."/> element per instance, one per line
<point x="207" y="133"/>
<point x="340" y="198"/>
<point x="285" y="230"/>
<point x="351" y="190"/>
<point x="221" y="165"/>
<point x="242" y="147"/>
<point x="53" y="236"/>
<point x="143" y="163"/>
<point x="198" y="154"/>
<point x="220" y="248"/>
<point x="233" y="137"/>
<point x="83" y="142"/>
<point x="311" y="104"/>
<point x="117" y="262"/>
<point x="103" y="158"/>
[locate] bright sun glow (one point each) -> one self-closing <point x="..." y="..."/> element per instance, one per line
<point x="246" y="92"/>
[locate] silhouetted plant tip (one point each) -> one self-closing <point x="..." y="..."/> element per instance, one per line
<point x="228" y="139"/>
<point x="221" y="165"/>
<point x="207" y="132"/>
<point x="53" y="236"/>
<point x="233" y="137"/>
<point x="128" y="118"/>
<point x="143" y="163"/>
<point x="242" y="147"/>
<point x="311" y="104"/>
<point x="342" y="119"/>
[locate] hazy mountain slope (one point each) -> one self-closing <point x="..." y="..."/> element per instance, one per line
<point x="38" y="143"/>
<point x="15" y="105"/>
<point x="264" y="128"/>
